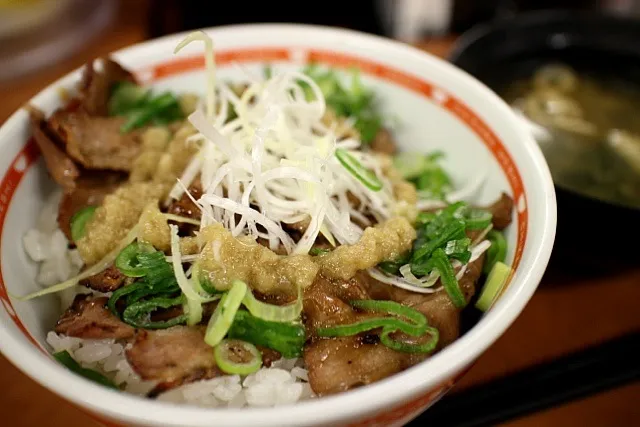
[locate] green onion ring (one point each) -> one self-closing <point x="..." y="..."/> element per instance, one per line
<point x="393" y="307"/>
<point x="127" y="261"/>
<point x="271" y="312"/>
<point x="228" y="348"/>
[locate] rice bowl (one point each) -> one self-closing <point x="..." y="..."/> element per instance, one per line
<point x="292" y="379"/>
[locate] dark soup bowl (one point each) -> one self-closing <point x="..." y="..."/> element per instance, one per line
<point x="574" y="79"/>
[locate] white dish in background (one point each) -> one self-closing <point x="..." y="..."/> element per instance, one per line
<point x="440" y="107"/>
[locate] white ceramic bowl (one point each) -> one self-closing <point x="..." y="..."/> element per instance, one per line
<point x="440" y="107"/>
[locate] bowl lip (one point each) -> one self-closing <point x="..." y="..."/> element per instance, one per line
<point x="386" y="393"/>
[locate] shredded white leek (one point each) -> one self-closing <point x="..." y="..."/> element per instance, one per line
<point x="424" y="282"/>
<point x="399" y="282"/>
<point x="275" y="163"/>
<point x="194" y="299"/>
<point x="210" y="64"/>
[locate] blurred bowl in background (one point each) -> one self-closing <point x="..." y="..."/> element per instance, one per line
<point x="587" y="67"/>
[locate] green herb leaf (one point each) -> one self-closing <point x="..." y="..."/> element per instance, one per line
<point x="440" y="262"/>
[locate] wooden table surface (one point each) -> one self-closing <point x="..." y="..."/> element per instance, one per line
<point x="567" y="313"/>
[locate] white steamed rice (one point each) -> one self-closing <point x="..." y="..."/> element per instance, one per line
<point x="285" y="382"/>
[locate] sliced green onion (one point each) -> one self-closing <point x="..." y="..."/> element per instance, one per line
<point x="497" y="252"/>
<point x="123" y="291"/>
<point x="364" y="175"/>
<point x="127" y="260"/>
<point x="441" y="262"/>
<point x="224" y="314"/>
<point x="368" y="325"/>
<point x="389" y="325"/>
<point x="70" y="363"/>
<point x="404" y="347"/>
<point x="139" y="314"/>
<point x="459" y="249"/>
<point x="146" y="290"/>
<point x="493" y="286"/>
<point x="271" y="312"/>
<point x="423" y="250"/>
<point x="79" y="221"/>
<point x="286" y="338"/>
<point x="158" y="273"/>
<point x="237" y="357"/>
<point x="392" y="307"/>
<point x="417" y="327"/>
